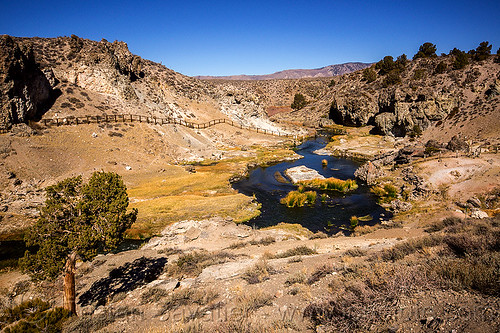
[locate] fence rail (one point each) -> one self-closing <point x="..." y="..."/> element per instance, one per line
<point x="130" y="118"/>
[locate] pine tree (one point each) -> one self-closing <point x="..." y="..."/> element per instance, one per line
<point x="77" y="221"/>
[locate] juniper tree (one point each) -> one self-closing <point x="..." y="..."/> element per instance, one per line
<point x="426" y="50"/>
<point x="369" y="75"/>
<point x="299" y="101"/>
<point x="77" y="221"/>
<point x="483" y="51"/>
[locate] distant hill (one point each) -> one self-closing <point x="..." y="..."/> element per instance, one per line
<point x="328" y="71"/>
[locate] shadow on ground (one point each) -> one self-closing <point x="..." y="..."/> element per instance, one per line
<point x="123" y="279"/>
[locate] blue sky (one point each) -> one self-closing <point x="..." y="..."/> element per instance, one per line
<point x="260" y="37"/>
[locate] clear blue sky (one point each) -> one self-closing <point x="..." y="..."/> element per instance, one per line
<point x="260" y="37"/>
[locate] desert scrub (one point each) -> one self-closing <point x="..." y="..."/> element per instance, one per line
<point x="248" y="302"/>
<point x="299" y="199"/>
<point x="265" y="241"/>
<point x="401" y="250"/>
<point x="331" y="184"/>
<point x="355" y="252"/>
<point x="320" y="273"/>
<point x="192" y="264"/>
<point x="296" y="251"/>
<point x="258" y="272"/>
<point x="188" y="296"/>
<point x="385" y="193"/>
<point x="153" y="295"/>
<point x="296" y="278"/>
<point x="32" y="316"/>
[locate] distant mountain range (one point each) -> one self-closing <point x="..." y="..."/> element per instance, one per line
<point x="328" y="71"/>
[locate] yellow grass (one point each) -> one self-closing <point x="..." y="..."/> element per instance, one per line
<point x="331" y="184"/>
<point x="177" y="195"/>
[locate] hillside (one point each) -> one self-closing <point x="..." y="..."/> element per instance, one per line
<point x="67" y="77"/>
<point x="327" y="71"/>
<point x="193" y="261"/>
<point x="43" y="75"/>
<point x="450" y="102"/>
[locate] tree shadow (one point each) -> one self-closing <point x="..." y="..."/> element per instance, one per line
<point x="122" y="279"/>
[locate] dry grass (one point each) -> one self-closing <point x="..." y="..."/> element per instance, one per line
<point x="192" y="264"/>
<point x="179" y="195"/>
<point x="249" y="302"/>
<point x="297" y="278"/>
<point x="188" y="296"/>
<point x="154" y="214"/>
<point x="258" y="273"/>
<point x="296" y="251"/>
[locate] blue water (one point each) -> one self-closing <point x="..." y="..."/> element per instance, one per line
<point x="329" y="217"/>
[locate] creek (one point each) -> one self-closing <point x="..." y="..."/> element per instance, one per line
<point x="329" y="216"/>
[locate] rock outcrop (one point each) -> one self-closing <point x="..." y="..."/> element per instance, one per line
<point x="102" y="67"/>
<point x="445" y="103"/>
<point x="25" y="90"/>
<point x="394" y="111"/>
<point x="369" y="173"/>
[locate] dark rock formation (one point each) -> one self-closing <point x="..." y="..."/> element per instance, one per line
<point x="457" y="144"/>
<point x="392" y="111"/>
<point x="26" y="91"/>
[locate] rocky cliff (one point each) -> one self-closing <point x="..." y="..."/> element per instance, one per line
<point x="25" y="90"/>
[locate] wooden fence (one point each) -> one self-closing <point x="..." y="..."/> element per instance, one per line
<point x="130" y="118"/>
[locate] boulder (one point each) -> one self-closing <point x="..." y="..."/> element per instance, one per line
<point x="478" y="214"/>
<point x="369" y="173"/>
<point x="457" y="144"/>
<point x="400" y="206"/>
<point x="301" y="173"/>
<point x="474" y="202"/>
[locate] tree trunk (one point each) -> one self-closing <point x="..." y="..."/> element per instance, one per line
<point x="69" y="284"/>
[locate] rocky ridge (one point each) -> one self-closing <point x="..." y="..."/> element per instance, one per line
<point x="112" y="80"/>
<point x="423" y="100"/>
